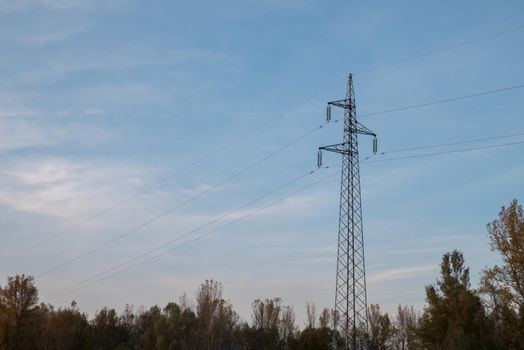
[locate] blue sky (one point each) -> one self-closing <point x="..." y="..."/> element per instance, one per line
<point x="100" y="99"/>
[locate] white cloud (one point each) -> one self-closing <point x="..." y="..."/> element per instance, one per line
<point x="10" y="6"/>
<point x="16" y="113"/>
<point x="22" y="126"/>
<point x="49" y="36"/>
<point x="55" y="67"/>
<point x="400" y="273"/>
<point x="19" y="133"/>
<point x="380" y="183"/>
<point x="12" y="104"/>
<point x="64" y="188"/>
<point x="93" y="111"/>
<point x="299" y="205"/>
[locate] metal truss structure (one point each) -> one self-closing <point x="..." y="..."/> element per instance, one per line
<point x="351" y="321"/>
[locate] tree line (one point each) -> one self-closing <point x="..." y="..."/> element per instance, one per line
<point x="456" y="315"/>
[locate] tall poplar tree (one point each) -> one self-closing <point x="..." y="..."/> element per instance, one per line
<point x="454" y="317"/>
<point x="503" y="285"/>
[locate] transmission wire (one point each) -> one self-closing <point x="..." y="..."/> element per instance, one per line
<point x="169" y="211"/>
<point x="252" y="131"/>
<point x="100" y="276"/>
<point x="482" y="93"/>
<point x="166" y="244"/>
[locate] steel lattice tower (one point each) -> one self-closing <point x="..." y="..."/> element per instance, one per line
<point x="351" y="319"/>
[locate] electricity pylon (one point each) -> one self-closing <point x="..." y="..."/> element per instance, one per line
<point x="351" y="311"/>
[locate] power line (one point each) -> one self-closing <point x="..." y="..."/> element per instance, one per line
<point x="173" y="175"/>
<point x="453" y="143"/>
<point x="168" y="243"/>
<point x="398" y="109"/>
<point x="439" y="145"/>
<point x="127" y="233"/>
<point x="446" y="48"/>
<point x="242" y="137"/>
<point x="171" y="210"/>
<point x="445" y="152"/>
<point x="488" y="92"/>
<point x="114" y="270"/>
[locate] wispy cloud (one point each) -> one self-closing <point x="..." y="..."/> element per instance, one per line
<point x="400" y="273"/>
<point x="23" y="126"/>
<point x="56" y="67"/>
<point x="253" y="7"/>
<point x="16" y="113"/>
<point x="12" y="104"/>
<point x="93" y="111"/>
<point x="21" y="133"/>
<point x="64" y="188"/>
<point x="9" y="6"/>
<point x="52" y="35"/>
<point x="379" y="183"/>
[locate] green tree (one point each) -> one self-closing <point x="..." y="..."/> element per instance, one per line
<point x="503" y="285"/>
<point x="324" y="319"/>
<point x="454" y="317"/>
<point x="170" y="328"/>
<point x="18" y="313"/>
<point x="406" y="323"/>
<point x="314" y="339"/>
<point x="65" y="329"/>
<point x="216" y="318"/>
<point x="265" y="332"/>
<point x="108" y="331"/>
<point x="149" y="330"/>
<point x="380" y="329"/>
<point x="273" y="325"/>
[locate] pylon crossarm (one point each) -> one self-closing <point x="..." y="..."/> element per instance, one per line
<point x="344" y="103"/>
<point x="341" y="148"/>
<point x="361" y="129"/>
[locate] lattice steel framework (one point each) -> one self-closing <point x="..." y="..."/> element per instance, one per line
<point x="351" y="319"/>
